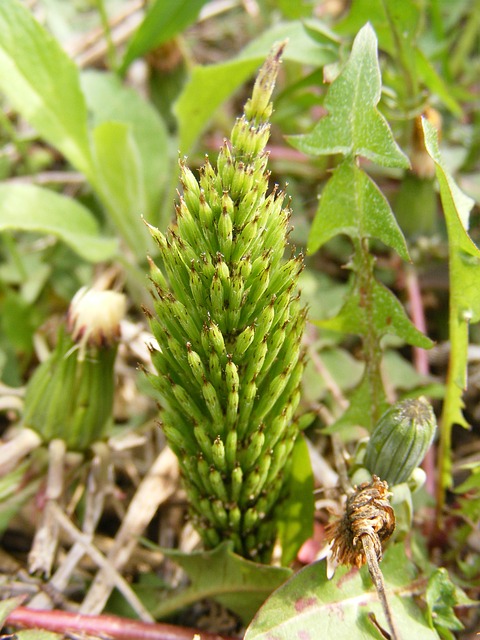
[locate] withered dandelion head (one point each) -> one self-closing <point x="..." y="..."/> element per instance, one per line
<point x="367" y="513"/>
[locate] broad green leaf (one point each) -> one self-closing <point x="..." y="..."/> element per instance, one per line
<point x="239" y="584"/>
<point x="464" y="268"/>
<point x="354" y="126"/>
<point x="30" y="208"/>
<point x="406" y="20"/>
<point x="41" y="82"/>
<point x="163" y="21"/>
<point x="119" y="182"/>
<point x="109" y="100"/>
<point x="352" y="204"/>
<point x="311" y="606"/>
<point x="380" y="312"/>
<point x="210" y="86"/>
<point x="296" y="516"/>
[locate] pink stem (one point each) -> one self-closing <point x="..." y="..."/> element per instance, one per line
<point x="105" y="625"/>
<point x="420" y="359"/>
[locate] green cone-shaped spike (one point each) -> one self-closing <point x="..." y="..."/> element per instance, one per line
<point x="229" y="325"/>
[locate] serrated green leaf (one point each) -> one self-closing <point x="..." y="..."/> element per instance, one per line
<point x="163" y="21"/>
<point x="354" y="126"/>
<point x="42" y="83"/>
<point x="464" y="269"/>
<point x="296" y="516"/>
<point x="30" y="208"/>
<point x="119" y="181"/>
<point x="405" y="17"/>
<point x="352" y="204"/>
<point x="384" y="313"/>
<point x="239" y="584"/>
<point x="209" y="86"/>
<point x="342" y="607"/>
<point x="441" y="597"/>
<point x="472" y="483"/>
<point x="464" y="254"/>
<point x="109" y="100"/>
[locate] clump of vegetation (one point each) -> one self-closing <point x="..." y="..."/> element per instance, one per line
<point x="264" y="406"/>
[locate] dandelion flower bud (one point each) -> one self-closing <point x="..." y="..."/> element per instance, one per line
<point x="400" y="440"/>
<point x="70" y="395"/>
<point x="94" y="317"/>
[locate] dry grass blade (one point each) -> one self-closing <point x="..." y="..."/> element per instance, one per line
<point x="158" y="486"/>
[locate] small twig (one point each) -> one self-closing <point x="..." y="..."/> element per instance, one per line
<point x="114" y="577"/>
<point x="50" y="177"/>
<point x="103" y="626"/>
<point x="150" y="494"/>
<point x="95" y="498"/>
<point x="46" y="537"/>
<point x="377" y="579"/>
<point x="14" y="450"/>
<point x="322" y="370"/>
<point x="111" y="52"/>
<point x="341" y="465"/>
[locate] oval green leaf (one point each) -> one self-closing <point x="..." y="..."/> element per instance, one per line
<point x="30" y="208"/>
<point x="309" y="606"/>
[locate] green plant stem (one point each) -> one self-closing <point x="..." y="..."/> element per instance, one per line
<point x="403" y="47"/>
<point x="111" y="52"/>
<point x="372" y="351"/>
<point x="438" y="28"/>
<point x="467" y="42"/>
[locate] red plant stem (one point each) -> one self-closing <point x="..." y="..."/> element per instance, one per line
<point x="420" y="359"/>
<point x="105" y="625"/>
